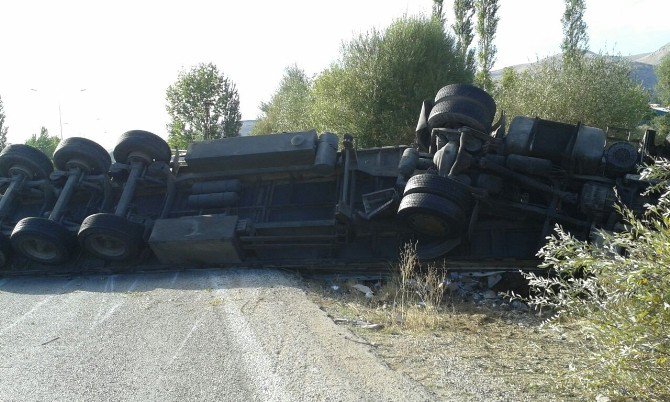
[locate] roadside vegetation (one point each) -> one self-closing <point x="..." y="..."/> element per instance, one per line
<point x="617" y="292"/>
<point x="600" y="86"/>
<point x="662" y="123"/>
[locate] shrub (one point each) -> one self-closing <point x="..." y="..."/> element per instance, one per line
<point x="618" y="290"/>
<point x="595" y="90"/>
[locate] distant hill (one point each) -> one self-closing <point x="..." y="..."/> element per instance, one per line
<point x="643" y="66"/>
<point x="653" y="58"/>
<point x="247" y="126"/>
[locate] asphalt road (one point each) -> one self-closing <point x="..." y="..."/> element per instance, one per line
<point x="243" y="335"/>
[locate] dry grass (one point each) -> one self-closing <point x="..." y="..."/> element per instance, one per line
<point x="437" y="339"/>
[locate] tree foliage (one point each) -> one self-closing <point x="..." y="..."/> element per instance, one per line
<point x="464" y="10"/>
<point x="375" y="90"/>
<point x="575" y="38"/>
<point x="289" y="108"/>
<point x="663" y="86"/>
<point x="44" y="142"/>
<point x="203" y="104"/>
<point x="617" y="291"/>
<point x="438" y="10"/>
<point x="662" y="126"/>
<point x="3" y="128"/>
<point x="596" y="91"/>
<point x="487" y="24"/>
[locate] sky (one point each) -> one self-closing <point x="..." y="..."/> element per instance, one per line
<point x="98" y="69"/>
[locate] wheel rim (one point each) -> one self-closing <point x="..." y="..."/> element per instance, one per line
<point x="40" y="249"/>
<point x="107" y="245"/>
<point x="428" y="224"/>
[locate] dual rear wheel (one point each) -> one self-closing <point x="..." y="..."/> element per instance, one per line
<point x="48" y="241"/>
<point x="113" y="237"/>
<point x="437" y="209"/>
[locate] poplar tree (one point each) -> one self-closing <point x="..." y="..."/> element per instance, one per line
<point x="438" y="10"/>
<point x="464" y="10"/>
<point x="487" y="24"/>
<point x="3" y="128"/>
<point x="575" y="38"/>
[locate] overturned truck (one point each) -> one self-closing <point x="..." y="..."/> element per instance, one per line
<point x="466" y="192"/>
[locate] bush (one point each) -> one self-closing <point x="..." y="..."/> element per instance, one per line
<point x="595" y="90"/>
<point x="618" y="291"/>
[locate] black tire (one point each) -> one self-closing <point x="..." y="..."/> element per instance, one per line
<point x="442" y="186"/>
<point x="42" y="240"/>
<point x="149" y="144"/>
<point x="454" y="113"/>
<point x="467" y="91"/>
<point x="432" y="215"/>
<point x="82" y="152"/>
<point x="25" y="158"/>
<point x="5" y="250"/>
<point x="431" y="249"/>
<point x="111" y="237"/>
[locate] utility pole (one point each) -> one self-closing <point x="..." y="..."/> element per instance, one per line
<point x="60" y="113"/>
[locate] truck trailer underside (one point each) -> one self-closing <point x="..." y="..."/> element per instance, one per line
<point x="467" y="193"/>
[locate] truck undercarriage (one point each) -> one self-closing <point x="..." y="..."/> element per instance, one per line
<point x="467" y="192"/>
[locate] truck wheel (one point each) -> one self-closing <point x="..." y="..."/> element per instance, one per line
<point x="20" y="157"/>
<point x="442" y="186"/>
<point x="149" y="145"/>
<point x="470" y="92"/>
<point x="42" y="240"/>
<point x="5" y="250"/>
<point x="432" y="215"/>
<point x="431" y="249"/>
<point x="453" y="113"/>
<point x="111" y="237"/>
<point x="84" y="153"/>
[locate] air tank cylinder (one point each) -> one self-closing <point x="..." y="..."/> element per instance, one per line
<point x="326" y="154"/>
<point x="216" y="186"/>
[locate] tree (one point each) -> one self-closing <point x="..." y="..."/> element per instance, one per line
<point x="596" y="91"/>
<point x="575" y="38"/>
<point x="203" y="105"/>
<point x="3" y="128"/>
<point x="438" y="10"/>
<point x="662" y="126"/>
<point x="663" y="85"/>
<point x="464" y="10"/>
<point x="662" y="123"/>
<point x="44" y="142"/>
<point x="487" y="24"/>
<point x="375" y="91"/>
<point x="289" y="108"/>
